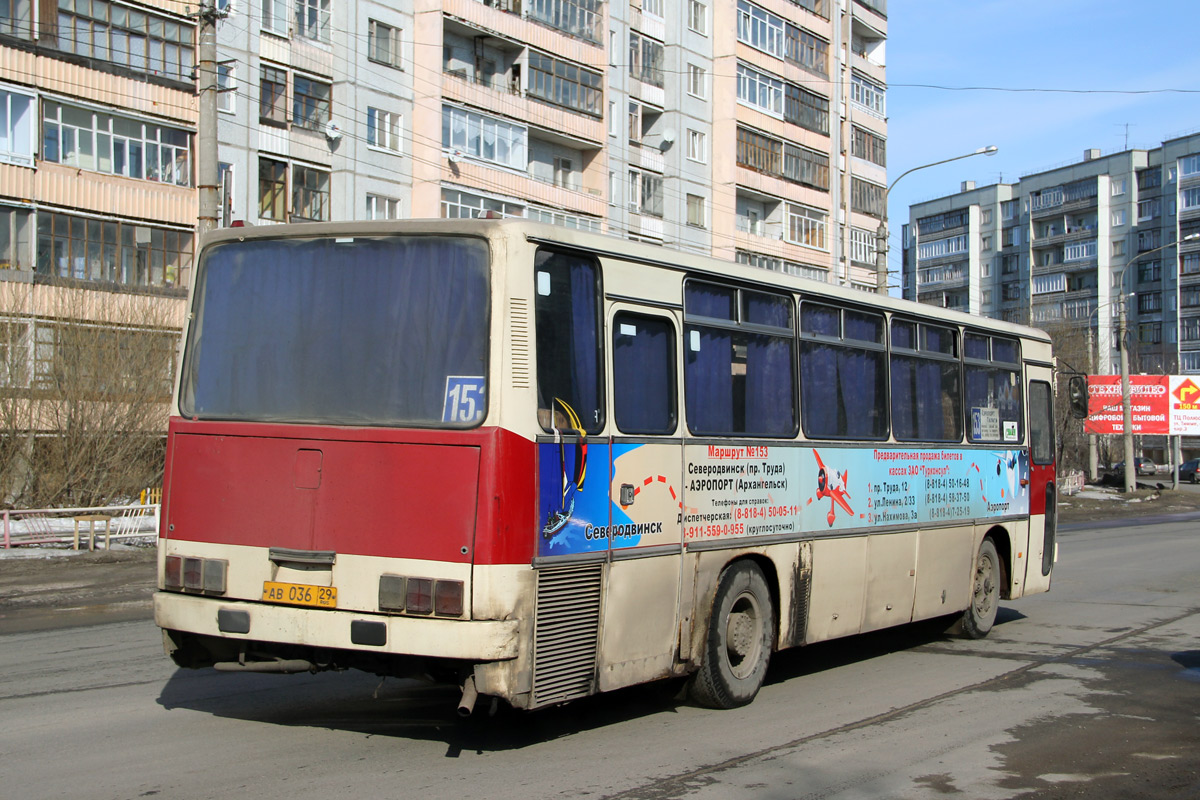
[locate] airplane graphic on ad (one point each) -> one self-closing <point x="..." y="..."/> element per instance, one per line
<point x="836" y="490"/>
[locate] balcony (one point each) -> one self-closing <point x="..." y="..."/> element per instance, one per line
<point x="462" y="89"/>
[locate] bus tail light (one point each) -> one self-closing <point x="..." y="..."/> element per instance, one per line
<point x="443" y="598"/>
<point x="420" y="595"/>
<point x="195" y="574"/>
<point x="391" y="592"/>
<point x="448" y="598"/>
<point x="173" y="573"/>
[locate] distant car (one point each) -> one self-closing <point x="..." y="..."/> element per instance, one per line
<point x="1187" y="470"/>
<point x="1142" y="466"/>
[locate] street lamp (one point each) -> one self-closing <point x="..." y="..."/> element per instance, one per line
<point x="881" y="233"/>
<point x="1126" y="404"/>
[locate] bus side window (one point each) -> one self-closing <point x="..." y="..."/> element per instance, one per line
<point x="570" y="347"/>
<point x="739" y="377"/>
<point x="843" y="373"/>
<point x="992" y="375"/>
<point x="643" y="374"/>
<point x="1041" y="423"/>
<point x="926" y="383"/>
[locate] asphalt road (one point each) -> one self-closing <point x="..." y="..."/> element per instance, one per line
<point x="1092" y="690"/>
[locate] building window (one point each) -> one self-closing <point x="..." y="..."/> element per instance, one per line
<point x="122" y="35"/>
<point x="1190" y="264"/>
<point x="868" y="96"/>
<point x="383" y="129"/>
<point x="1189" y="165"/>
<point x="1118" y="187"/>
<point x="311" y="103"/>
<point x="646" y="59"/>
<point x="464" y="205"/>
<point x="580" y="18"/>
<point x="652" y="7"/>
<point x="87" y="139"/>
<point x="275" y="16"/>
<point x="111" y="251"/>
<point x="552" y="216"/>
<point x="698" y="17"/>
<point x="17" y="127"/>
<point x="383" y="44"/>
<point x="272" y="96"/>
<point x="645" y="193"/>
<point x="1118" y="247"/>
<point x="312" y="19"/>
<point x="1149" y="302"/>
<point x="695" y="211"/>
<point x="380" y="207"/>
<point x="225" y="191"/>
<point x="485" y="138"/>
<point x="226" y="85"/>
<point x="565" y="84"/>
<point x="697" y="79"/>
<point x="759" y="28"/>
<point x="697" y="146"/>
<point x="806" y="226"/>
<point x="272" y="189"/>
<point x="870" y="147"/>
<point x="310" y="194"/>
<point x="806" y="109"/>
<point x="1118" y="217"/>
<point x="18" y="19"/>
<point x="16" y="228"/>
<point x="862" y="246"/>
<point x="760" y="90"/>
<point x="806" y="50"/>
<point x="1190" y="198"/>
<point x="866" y="198"/>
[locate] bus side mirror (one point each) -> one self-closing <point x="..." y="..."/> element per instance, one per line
<point x="1077" y="391"/>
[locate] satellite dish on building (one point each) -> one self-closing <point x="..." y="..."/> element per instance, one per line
<point x="455" y="156"/>
<point x="332" y="131"/>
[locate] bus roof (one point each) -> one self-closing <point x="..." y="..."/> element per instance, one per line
<point x="607" y="246"/>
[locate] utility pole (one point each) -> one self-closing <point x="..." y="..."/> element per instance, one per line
<point x="206" y="137"/>
<point x="1126" y="404"/>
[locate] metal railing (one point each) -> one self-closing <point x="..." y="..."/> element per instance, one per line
<point x="22" y="527"/>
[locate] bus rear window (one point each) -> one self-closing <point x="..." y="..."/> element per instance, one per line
<point x="389" y="330"/>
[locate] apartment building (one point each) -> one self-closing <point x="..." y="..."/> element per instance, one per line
<point x="97" y="217"/>
<point x="1060" y="248"/>
<point x="754" y="131"/>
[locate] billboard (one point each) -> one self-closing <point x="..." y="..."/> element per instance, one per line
<point x="1161" y="404"/>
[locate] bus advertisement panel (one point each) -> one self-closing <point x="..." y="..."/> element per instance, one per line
<point x="731" y="491"/>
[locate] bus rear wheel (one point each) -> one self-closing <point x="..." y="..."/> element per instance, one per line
<point x="740" y="633"/>
<point x="980" y="616"/>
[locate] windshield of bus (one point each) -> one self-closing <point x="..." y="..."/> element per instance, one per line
<point x="384" y="330"/>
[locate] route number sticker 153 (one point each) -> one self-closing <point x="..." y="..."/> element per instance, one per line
<point x="465" y="398"/>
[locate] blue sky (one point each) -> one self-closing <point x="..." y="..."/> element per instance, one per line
<point x="1097" y="45"/>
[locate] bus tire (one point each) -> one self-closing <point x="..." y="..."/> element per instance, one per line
<point x="738" y="645"/>
<point x="980" y="615"/>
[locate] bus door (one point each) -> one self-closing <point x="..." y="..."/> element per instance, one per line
<point x="1043" y="489"/>
<point x="640" y="634"/>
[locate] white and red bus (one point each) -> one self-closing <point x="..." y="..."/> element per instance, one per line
<point x="543" y="463"/>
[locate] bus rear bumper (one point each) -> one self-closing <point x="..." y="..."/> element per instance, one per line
<point x="466" y="640"/>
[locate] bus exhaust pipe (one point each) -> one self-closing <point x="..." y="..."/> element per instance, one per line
<point x="467" y="704"/>
<point x="286" y="667"/>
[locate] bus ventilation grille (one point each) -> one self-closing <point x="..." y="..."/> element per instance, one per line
<point x="518" y="322"/>
<point x="566" y="633"/>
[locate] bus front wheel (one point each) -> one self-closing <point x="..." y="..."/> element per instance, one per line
<point x="979" y="617"/>
<point x="738" y="645"/>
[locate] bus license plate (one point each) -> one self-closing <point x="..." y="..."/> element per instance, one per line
<point x="299" y="594"/>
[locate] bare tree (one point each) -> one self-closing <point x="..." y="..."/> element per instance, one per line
<point x="83" y="411"/>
